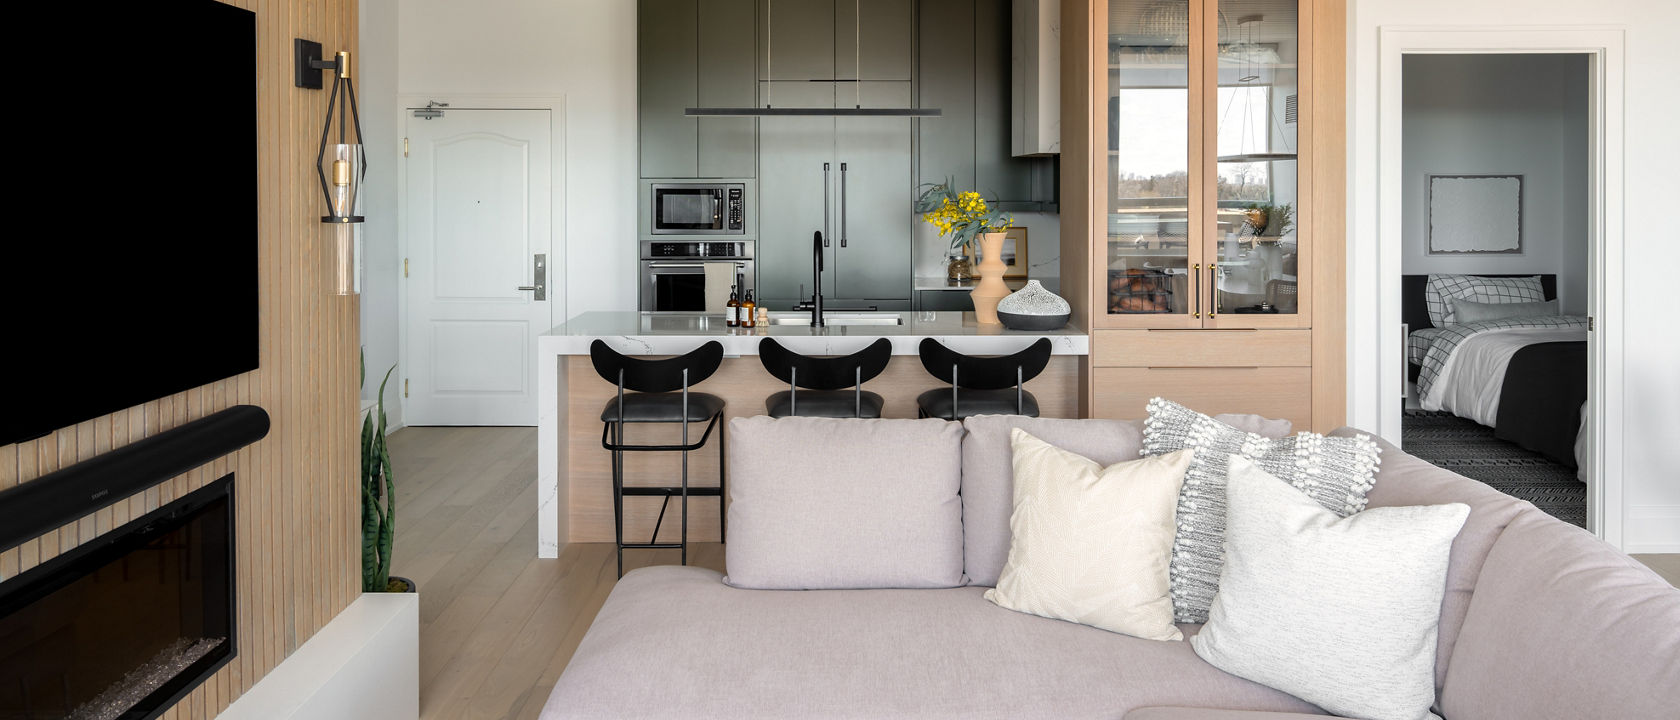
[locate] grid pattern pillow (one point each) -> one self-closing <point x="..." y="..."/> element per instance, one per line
<point x="1336" y="472"/>
<point x="1440" y="290"/>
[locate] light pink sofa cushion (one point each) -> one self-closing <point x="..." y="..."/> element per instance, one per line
<point x="1563" y="626"/>
<point x="818" y="503"/>
<point x="988" y="483"/>
<point x="1403" y="480"/>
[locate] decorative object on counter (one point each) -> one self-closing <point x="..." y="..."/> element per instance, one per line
<point x="1015" y="252"/>
<point x="1033" y="308"/>
<point x="964" y="217"/>
<point x="958" y="268"/>
<point x="991" y="287"/>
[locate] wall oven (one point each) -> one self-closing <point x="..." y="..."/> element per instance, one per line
<point x="673" y="274"/>
<point x="698" y="209"/>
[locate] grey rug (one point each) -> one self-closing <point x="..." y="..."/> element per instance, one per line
<point x="1471" y="450"/>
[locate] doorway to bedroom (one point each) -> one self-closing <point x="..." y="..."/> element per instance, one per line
<point x="1496" y="230"/>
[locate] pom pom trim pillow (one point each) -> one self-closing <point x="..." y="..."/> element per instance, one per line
<point x="1336" y="472"/>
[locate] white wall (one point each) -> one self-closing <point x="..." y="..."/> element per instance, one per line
<point x="1496" y="115"/>
<point x="376" y="100"/>
<point x="1651" y="411"/>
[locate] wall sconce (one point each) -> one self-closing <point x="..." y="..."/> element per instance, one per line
<point x="341" y="165"/>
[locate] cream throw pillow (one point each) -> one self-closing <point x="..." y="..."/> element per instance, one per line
<point x="1091" y="544"/>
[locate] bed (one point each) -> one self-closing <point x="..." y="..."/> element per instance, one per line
<point x="1524" y="377"/>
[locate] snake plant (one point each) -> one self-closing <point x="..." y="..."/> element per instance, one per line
<point x="379" y="506"/>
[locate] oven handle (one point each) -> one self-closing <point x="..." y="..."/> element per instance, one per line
<point x="661" y="265"/>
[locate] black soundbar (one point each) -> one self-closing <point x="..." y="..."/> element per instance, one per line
<point x="50" y="501"/>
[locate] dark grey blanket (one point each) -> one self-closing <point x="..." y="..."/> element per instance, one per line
<point x="1540" y="402"/>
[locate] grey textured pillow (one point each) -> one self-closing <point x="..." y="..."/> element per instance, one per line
<point x="1440" y="290"/>
<point x="1469" y="311"/>
<point x="1336" y="472"/>
<point x="820" y="504"/>
<point x="1339" y="611"/>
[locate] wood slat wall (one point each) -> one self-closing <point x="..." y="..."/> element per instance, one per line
<point x="297" y="503"/>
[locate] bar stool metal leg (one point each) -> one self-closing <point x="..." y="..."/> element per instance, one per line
<point x="685" y="467"/>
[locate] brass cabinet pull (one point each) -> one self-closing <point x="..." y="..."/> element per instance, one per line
<point x="1213" y="290"/>
<point x="1195" y="290"/>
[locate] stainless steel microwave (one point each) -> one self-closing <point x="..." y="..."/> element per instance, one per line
<point x="698" y="209"/>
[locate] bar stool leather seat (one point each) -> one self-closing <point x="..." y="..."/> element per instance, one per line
<point x="664" y="407"/>
<point x="825" y="403"/>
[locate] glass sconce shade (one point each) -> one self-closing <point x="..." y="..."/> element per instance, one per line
<point x="344" y="173"/>
<point x="346" y="241"/>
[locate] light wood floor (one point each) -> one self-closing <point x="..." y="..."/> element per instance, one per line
<point x="497" y="625"/>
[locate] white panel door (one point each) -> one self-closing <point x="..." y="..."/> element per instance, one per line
<point x="478" y="215"/>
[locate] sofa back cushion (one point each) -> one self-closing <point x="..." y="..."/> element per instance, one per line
<point x="988" y="478"/>
<point x="820" y="503"/>
<point x="1562" y="625"/>
<point x="1402" y="481"/>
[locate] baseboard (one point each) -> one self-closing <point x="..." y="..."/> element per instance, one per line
<point x="1651" y="529"/>
<point x="364" y="664"/>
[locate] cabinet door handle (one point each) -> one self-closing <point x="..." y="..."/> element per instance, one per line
<point x="826" y="221"/>
<point x="843" y="207"/>
<point x="1196" y="290"/>
<point x="1213" y="290"/>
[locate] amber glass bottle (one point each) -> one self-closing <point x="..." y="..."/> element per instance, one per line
<point x="732" y="310"/>
<point x="747" y="308"/>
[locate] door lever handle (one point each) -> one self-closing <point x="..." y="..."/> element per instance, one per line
<point x="526" y="287"/>
<point x="539" y="277"/>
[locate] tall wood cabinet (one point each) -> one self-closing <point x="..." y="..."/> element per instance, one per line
<point x="1203" y="203"/>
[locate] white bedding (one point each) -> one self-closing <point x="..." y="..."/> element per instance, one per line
<point x="1471" y="378"/>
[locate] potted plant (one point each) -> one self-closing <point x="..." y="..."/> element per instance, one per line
<point x="379" y="501"/>
<point x="964" y="217"/>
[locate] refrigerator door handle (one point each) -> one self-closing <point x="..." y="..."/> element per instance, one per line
<point x="826" y="221"/>
<point x="843" y="208"/>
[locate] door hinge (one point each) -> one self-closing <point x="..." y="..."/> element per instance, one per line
<point x="405" y="267"/>
<point x="405" y="147"/>
<point x="1592" y="323"/>
<point x="405" y="387"/>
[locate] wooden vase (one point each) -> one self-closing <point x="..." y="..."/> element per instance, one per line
<point x="991" y="288"/>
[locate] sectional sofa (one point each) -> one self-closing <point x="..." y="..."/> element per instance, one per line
<point x="1539" y="620"/>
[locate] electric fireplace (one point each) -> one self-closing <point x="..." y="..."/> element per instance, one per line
<point x="126" y="624"/>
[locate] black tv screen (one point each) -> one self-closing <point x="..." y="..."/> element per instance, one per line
<point x="131" y="273"/>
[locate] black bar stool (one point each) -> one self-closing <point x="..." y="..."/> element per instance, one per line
<point x="981" y="385"/>
<point x="655" y="399"/>
<point x="823" y="378"/>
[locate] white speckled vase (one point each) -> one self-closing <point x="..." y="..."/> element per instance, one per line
<point x="1033" y="308"/>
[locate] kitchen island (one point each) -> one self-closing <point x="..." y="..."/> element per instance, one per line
<point x="574" y="475"/>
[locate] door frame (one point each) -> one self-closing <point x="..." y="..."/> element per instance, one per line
<point x="1605" y="48"/>
<point x="556" y="107"/>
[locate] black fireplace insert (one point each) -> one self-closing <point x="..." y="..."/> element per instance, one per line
<point x="127" y="624"/>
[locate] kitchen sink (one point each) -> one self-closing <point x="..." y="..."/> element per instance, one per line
<point x="838" y="319"/>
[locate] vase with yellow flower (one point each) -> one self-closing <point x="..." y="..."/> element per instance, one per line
<point x="962" y="218"/>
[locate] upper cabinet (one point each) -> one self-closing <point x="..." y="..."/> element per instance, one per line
<point x="963" y="68"/>
<point x="835" y="39"/>
<point x="1202" y="212"/>
<point x="692" y="53"/>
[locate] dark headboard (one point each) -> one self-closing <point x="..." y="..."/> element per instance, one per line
<point x="1415" y="313"/>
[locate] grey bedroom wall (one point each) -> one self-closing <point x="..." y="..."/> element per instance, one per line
<point x="1502" y="114"/>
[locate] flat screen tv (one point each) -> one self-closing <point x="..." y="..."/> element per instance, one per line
<point x="130" y="273"/>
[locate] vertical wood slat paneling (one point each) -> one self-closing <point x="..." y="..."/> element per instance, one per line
<point x="297" y="503"/>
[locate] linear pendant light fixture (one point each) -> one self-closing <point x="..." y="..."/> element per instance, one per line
<point x="1246" y="48"/>
<point x="857" y="109"/>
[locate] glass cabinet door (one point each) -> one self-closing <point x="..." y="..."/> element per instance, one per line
<point x="1253" y="230"/>
<point x="1152" y="241"/>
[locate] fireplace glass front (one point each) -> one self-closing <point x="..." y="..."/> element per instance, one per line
<point x="125" y="625"/>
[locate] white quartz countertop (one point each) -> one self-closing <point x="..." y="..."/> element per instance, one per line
<point x="635" y="333"/>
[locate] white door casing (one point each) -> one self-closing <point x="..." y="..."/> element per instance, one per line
<point x="1374" y="280"/>
<point x="477" y="212"/>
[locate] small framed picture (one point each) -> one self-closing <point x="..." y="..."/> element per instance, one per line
<point x="1015" y="252"/>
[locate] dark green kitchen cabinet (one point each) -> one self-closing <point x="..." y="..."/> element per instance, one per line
<point x="692" y="53"/>
<point x="963" y="54"/>
<point x="819" y="40"/>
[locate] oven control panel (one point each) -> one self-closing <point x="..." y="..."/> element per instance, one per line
<point x="695" y="249"/>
